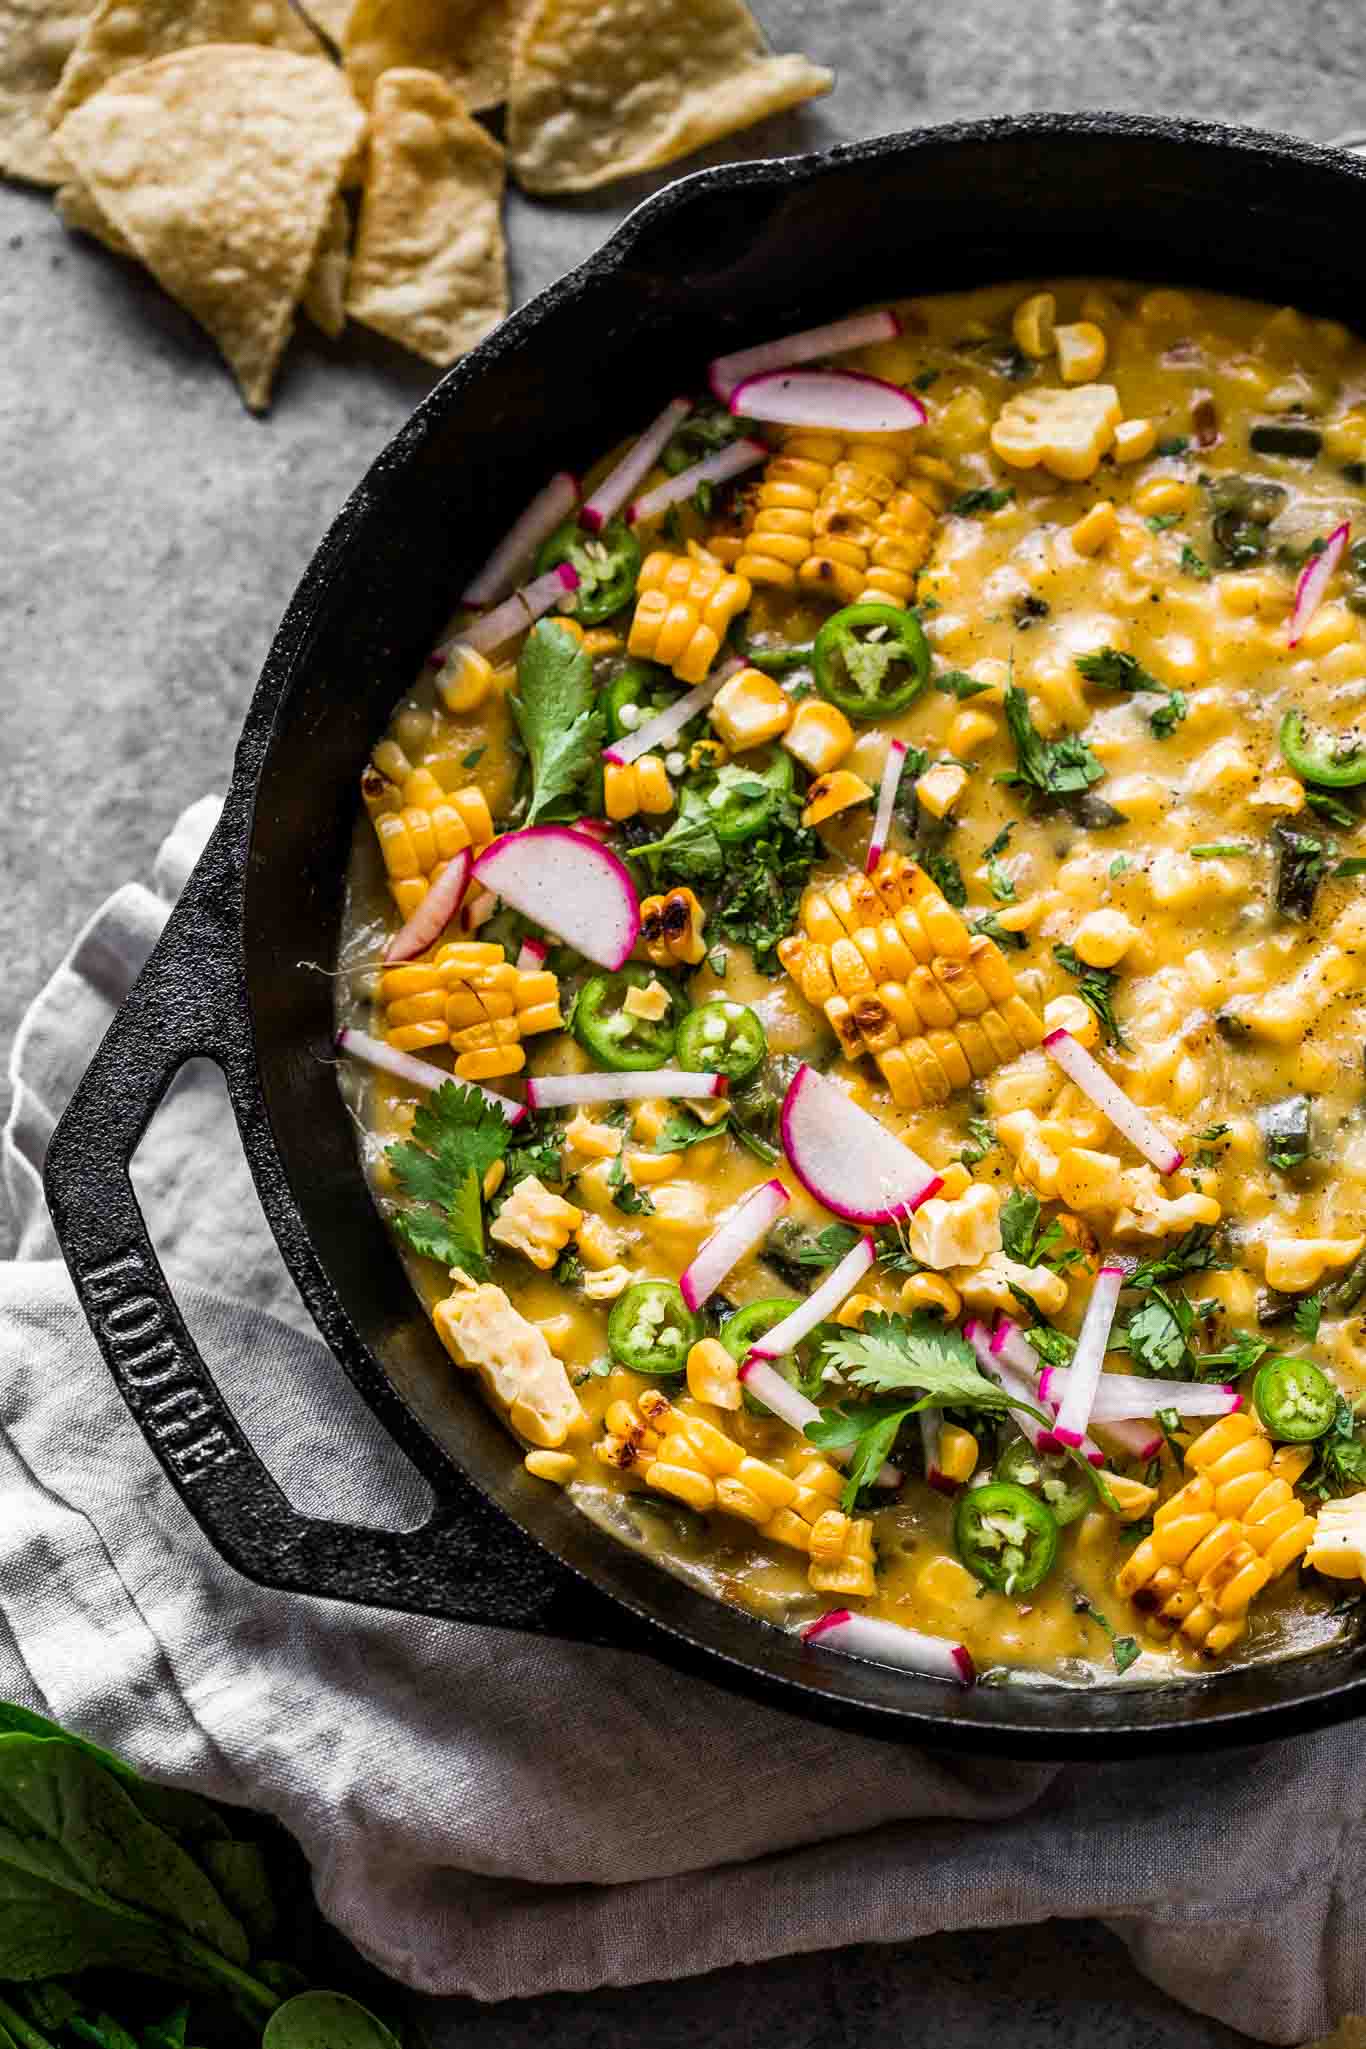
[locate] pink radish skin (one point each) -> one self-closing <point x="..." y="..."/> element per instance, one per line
<point x="846" y="1159"/>
<point x="1005" y="1354"/>
<point x="421" y="1073"/>
<point x="725" y="372"/>
<point x="1133" y="1440"/>
<point x="567" y="884"/>
<point x="614" y="490"/>
<point x="1314" y="580"/>
<point x="550" y="508"/>
<point x="532" y="956"/>
<point x="886" y="798"/>
<point x="822" y="1302"/>
<point x="564" y="1091"/>
<point x="737" y="1234"/>
<point x="729" y="462"/>
<point x="931" y="1430"/>
<point x="516" y="613"/>
<point x="434" y="913"/>
<point x="1088" y="1360"/>
<point x="1105" y="1092"/>
<point x="662" y="728"/>
<point x="791" y="1406"/>
<point x="887" y="1643"/>
<point x="844" y="401"/>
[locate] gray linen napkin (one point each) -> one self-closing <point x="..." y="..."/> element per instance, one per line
<point x="499" y="1815"/>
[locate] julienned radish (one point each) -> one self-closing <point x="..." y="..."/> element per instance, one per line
<point x="516" y="613"/>
<point x="846" y="1159"/>
<point x="887" y="1643"/>
<point x="421" y="1073"/>
<point x="567" y="884"/>
<point x="845" y="401"/>
<point x="791" y="1406"/>
<point x="1105" y="1092"/>
<point x="820" y="1303"/>
<point x="434" y="913"/>
<point x="725" y="372"/>
<point x="672" y="1084"/>
<point x="550" y="507"/>
<point x="1088" y="1360"/>
<point x="738" y="1233"/>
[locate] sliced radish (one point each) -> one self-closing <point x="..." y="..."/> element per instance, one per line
<point x="478" y="907"/>
<point x="516" y="613"/>
<point x="725" y="372"/>
<point x="562" y="1091"/>
<point x="843" y="400"/>
<point x="1129" y="1397"/>
<point x="790" y="1405"/>
<point x="733" y="1237"/>
<point x="615" y="488"/>
<point x="550" y="508"/>
<point x="532" y="956"/>
<point x="822" y="1302"/>
<point x="931" y="1430"/>
<point x="887" y="1643"/>
<point x="1014" y="1363"/>
<point x="846" y="1159"/>
<point x="661" y="729"/>
<point x="569" y="885"/>
<point x="886" y="798"/>
<point x="1107" y="1095"/>
<point x="1314" y="580"/>
<point x="1135" y="1440"/>
<point x="717" y="469"/>
<point x="1088" y="1360"/>
<point x="594" y="829"/>
<point x="435" y="911"/>
<point x="375" y="1053"/>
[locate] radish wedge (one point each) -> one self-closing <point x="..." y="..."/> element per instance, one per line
<point x="725" y="372"/>
<point x="532" y="956"/>
<point x="716" y="469"/>
<point x="615" y="488"/>
<point x="1314" y="580"/>
<point x="887" y="1643"/>
<point x="886" y="798"/>
<point x="822" y="1302"/>
<point x="1130" y="1398"/>
<point x="1107" y="1095"/>
<point x="375" y="1053"/>
<point x="737" y="1234"/>
<point x="790" y="1405"/>
<point x="434" y="913"/>
<point x="846" y="1159"/>
<point x="658" y="731"/>
<point x="563" y="1091"/>
<point x="569" y="885"/>
<point x="550" y="508"/>
<point x="844" y="400"/>
<point x="1088" y="1360"/>
<point x="516" y="613"/>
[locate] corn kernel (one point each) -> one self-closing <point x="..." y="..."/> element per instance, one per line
<point x="750" y="709"/>
<point x="819" y="736"/>
<point x="1081" y="351"/>
<point x="1134" y="439"/>
<point x="1095" y="528"/>
<point x="556" y="1466"/>
<point x="1032" y="324"/>
<point x="833" y="793"/>
<point x="940" y="788"/>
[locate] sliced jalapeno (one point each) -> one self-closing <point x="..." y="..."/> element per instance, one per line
<point x="1005" y="1536"/>
<point x="652" y="1330"/>
<point x="801" y="1367"/>
<point x="638" y="684"/>
<point x="1050" y="1475"/>
<point x="1336" y="764"/>
<point x="746" y="794"/>
<point x="871" y="660"/>
<point x="775" y="661"/>
<point x="722" y="1038"/>
<point x="605" y="1028"/>
<point x="608" y="564"/>
<point x="1295" y="1400"/>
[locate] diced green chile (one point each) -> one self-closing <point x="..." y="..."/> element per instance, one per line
<point x="1051" y="1475"/>
<point x="636" y="683"/>
<point x="775" y="661"/>
<point x="722" y="1038"/>
<point x="1354" y="564"/>
<point x="871" y="660"/>
<point x="746" y="795"/>
<point x="1337" y="764"/>
<point x="1005" y="1536"/>
<point x="607" y="1030"/>
<point x="1295" y="1400"/>
<point x="1241" y="510"/>
<point x="1301" y="865"/>
<point x="1285" y="437"/>
<point x="608" y="564"/>
<point x="652" y="1330"/>
<point x="1347" y="1293"/>
<point x="1287" y="1133"/>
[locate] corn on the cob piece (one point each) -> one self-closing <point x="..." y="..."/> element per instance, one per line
<point x="632" y="786"/>
<point x="420" y="825"/>
<point x="678" y="1451"/>
<point x="899" y="975"/>
<point x="1233" y="1528"/>
<point x="671" y="927"/>
<point x="684" y="607"/>
<point x="852" y="517"/>
<point x="469" y="996"/>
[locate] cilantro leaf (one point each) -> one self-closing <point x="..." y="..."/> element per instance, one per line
<point x="1159" y="1335"/>
<point x="1026" y="1238"/>
<point x="1194" y="1252"/>
<point x="630" y="1200"/>
<point x="889" y="1355"/>
<point x="1195" y="565"/>
<point x="1096" y="988"/>
<point x="871" y="1430"/>
<point x="1112" y="669"/>
<point x="1053" y="766"/>
<point x="689" y="851"/>
<point x="757" y="899"/>
<point x="981" y="1139"/>
<point x="1307" y="1315"/>
<point x="957" y="683"/>
<point x="986" y="498"/>
<point x="1340" y="1463"/>
<point x="560" y="726"/>
<point x="1124" y="1649"/>
<point x="947" y="877"/>
<point x="457" y="1136"/>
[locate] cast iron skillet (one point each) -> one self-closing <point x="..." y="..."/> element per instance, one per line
<point x="724" y="258"/>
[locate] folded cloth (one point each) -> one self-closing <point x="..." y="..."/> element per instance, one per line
<point x="500" y="1815"/>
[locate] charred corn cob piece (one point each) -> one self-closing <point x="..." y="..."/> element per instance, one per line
<point x="899" y="976"/>
<point x="419" y="824"/>
<point x="852" y="517"/>
<point x="671" y="927"/>
<point x="678" y="1451"/>
<point x="1233" y="1528"/>
<point x="469" y="996"/>
<point x="684" y="607"/>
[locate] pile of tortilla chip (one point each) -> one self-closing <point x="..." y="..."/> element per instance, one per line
<point x="257" y="158"/>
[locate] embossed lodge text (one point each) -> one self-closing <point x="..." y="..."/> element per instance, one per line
<point x="166" y="1400"/>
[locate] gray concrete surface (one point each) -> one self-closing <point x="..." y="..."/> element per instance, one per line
<point x="150" y="535"/>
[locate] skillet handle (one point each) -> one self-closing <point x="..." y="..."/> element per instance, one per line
<point x="469" y="1562"/>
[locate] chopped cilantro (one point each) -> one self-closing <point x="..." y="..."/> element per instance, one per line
<point x="1194" y="1252"/>
<point x="1096" y="988"/>
<point x="1113" y="669"/>
<point x="630" y="1200"/>
<point x="1026" y="1238"/>
<point x="1160" y="522"/>
<point x="947" y="877"/>
<point x="1175" y="444"/>
<point x="981" y="1139"/>
<point x="923" y="379"/>
<point x="1052" y="766"/>
<point x="1124" y="1649"/>
<point x="1195" y="565"/>
<point x="1219" y="850"/>
<point x="1308" y="1315"/>
<point x="1340" y="1460"/>
<point x="1118" y="866"/>
<point x="986" y="498"/>
<point x="474" y="757"/>
<point x="957" y="683"/>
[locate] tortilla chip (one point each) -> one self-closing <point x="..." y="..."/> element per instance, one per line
<point x="329" y="16"/>
<point x="469" y="43"/>
<point x="605" y="88"/>
<point x="219" y="166"/>
<point x="36" y="39"/>
<point x="324" y="299"/>
<point x="123" y="33"/>
<point x="82" y="216"/>
<point x="430" y="267"/>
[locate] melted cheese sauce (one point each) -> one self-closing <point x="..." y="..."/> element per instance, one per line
<point x="1226" y="1006"/>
